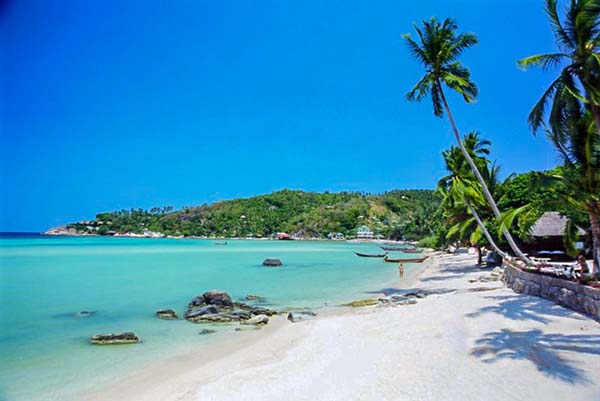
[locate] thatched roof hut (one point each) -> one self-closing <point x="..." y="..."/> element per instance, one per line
<point x="552" y="224"/>
<point x="547" y="236"/>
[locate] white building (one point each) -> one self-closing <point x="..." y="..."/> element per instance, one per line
<point x="363" y="232"/>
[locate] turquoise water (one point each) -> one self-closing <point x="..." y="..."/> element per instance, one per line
<point x="44" y="350"/>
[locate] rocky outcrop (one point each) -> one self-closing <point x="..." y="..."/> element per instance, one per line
<point x="272" y="263"/>
<point x="580" y="298"/>
<point x="166" y="313"/>
<point x="298" y="316"/>
<point x="110" y="339"/>
<point x="217" y="307"/>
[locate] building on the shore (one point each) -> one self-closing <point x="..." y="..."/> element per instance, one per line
<point x="364" y="232"/>
<point x="547" y="236"/>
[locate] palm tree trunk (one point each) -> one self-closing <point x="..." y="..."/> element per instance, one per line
<point x="484" y="230"/>
<point x="595" y="223"/>
<point x="486" y="191"/>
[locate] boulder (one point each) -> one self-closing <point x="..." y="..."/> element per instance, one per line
<point x="257" y="310"/>
<point x="298" y="316"/>
<point x="222" y="317"/>
<point x="122" y="338"/>
<point x="205" y="310"/>
<point x="272" y="262"/>
<point x="217" y="298"/>
<point x="256" y="320"/>
<point x="207" y="331"/>
<point x="166" y="314"/>
<point x="197" y="301"/>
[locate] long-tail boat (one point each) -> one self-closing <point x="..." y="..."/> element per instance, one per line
<point x="369" y="255"/>
<point x="406" y="260"/>
<point x="392" y="248"/>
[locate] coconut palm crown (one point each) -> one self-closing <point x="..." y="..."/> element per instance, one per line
<point x="578" y="41"/>
<point x="439" y="51"/>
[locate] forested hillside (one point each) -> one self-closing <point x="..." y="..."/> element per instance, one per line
<point x="396" y="214"/>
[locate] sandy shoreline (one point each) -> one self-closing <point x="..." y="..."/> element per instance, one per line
<point x="480" y="342"/>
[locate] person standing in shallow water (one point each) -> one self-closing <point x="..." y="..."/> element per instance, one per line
<point x="401" y="270"/>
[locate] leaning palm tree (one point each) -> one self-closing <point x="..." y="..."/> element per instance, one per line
<point x="578" y="40"/>
<point x="439" y="49"/>
<point x="460" y="190"/>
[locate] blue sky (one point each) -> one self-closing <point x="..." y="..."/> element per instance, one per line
<point x="118" y="104"/>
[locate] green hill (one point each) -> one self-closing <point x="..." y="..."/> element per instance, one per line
<point x="396" y="214"/>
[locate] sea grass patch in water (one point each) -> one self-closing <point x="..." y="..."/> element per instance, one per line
<point x="362" y="302"/>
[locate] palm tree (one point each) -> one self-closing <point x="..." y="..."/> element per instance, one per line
<point x="578" y="40"/>
<point x="574" y="118"/>
<point x="460" y="191"/>
<point x="439" y="51"/>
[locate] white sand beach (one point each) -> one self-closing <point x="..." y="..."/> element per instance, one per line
<point x="479" y="342"/>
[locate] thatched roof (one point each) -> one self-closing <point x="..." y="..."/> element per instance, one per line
<point x="552" y="224"/>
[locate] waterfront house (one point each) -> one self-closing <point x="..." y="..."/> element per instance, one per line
<point x="364" y="232"/>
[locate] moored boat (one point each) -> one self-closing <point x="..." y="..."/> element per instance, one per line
<point x="406" y="260"/>
<point x="221" y="243"/>
<point x="393" y="248"/>
<point x="369" y="255"/>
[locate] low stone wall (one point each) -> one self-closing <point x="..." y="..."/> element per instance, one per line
<point x="580" y="298"/>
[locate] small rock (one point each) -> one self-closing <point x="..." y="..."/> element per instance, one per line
<point x="207" y="331"/>
<point x="166" y="314"/>
<point x="272" y="262"/>
<point x="256" y="320"/>
<point x="297" y="316"/>
<point x="123" y="338"/>
<point x="251" y="297"/>
<point x="84" y="313"/>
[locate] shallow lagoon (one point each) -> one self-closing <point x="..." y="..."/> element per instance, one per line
<point x="44" y="281"/>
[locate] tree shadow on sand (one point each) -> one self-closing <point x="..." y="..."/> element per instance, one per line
<point x="449" y="271"/>
<point x="524" y="307"/>
<point x="545" y="351"/>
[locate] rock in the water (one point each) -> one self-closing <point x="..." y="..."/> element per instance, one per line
<point x="257" y="310"/>
<point x="298" y="316"/>
<point x="207" y="331"/>
<point x="123" y="338"/>
<point x="272" y="262"/>
<point x="251" y="297"/>
<point x="196" y="302"/>
<point x="217" y="298"/>
<point x="192" y="314"/>
<point x="84" y="313"/>
<point x="166" y="313"/>
<point x="256" y="320"/>
<point x="362" y="302"/>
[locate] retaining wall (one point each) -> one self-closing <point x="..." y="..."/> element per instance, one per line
<point x="580" y="298"/>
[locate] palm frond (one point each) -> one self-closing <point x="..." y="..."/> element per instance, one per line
<point x="562" y="37"/>
<point x="544" y="61"/>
